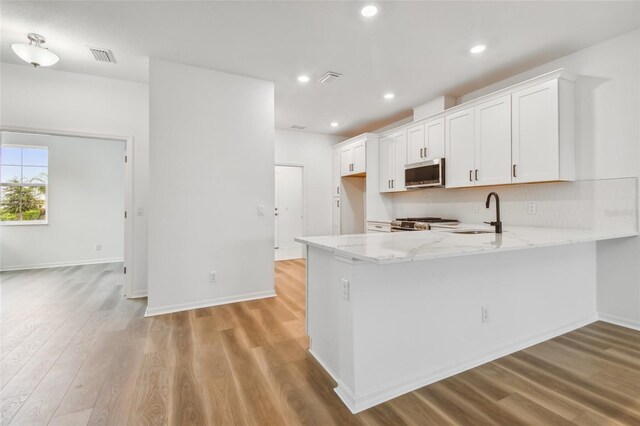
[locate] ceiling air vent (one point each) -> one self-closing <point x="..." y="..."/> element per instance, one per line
<point x="295" y="126"/>
<point x="330" y="77"/>
<point x="102" y="55"/>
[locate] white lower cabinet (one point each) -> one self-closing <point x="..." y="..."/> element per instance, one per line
<point x="478" y="144"/>
<point x="393" y="158"/>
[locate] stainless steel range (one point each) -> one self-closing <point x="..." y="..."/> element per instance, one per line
<point x="419" y="223"/>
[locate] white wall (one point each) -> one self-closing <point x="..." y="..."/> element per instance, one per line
<point x="43" y="98"/>
<point x="313" y="151"/>
<point x="607" y="145"/>
<point x="85" y="205"/>
<point x="211" y="165"/>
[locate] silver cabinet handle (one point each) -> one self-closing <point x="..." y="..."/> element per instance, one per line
<point x="337" y="203"/>
<point x="421" y="149"/>
<point x="514" y="170"/>
<point x="476" y="174"/>
<point x="389" y="183"/>
<point x="470" y="173"/>
<point x="393" y="183"/>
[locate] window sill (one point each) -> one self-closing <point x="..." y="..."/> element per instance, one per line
<point x="24" y="223"/>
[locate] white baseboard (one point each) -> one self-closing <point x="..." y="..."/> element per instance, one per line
<point x="137" y="294"/>
<point x="357" y="403"/>
<point x="289" y="253"/>
<point x="622" y="322"/>
<point x="179" y="307"/>
<point x="60" y="264"/>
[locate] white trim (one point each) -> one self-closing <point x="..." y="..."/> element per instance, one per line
<point x="128" y="204"/>
<point x="138" y="295"/>
<point x="61" y="264"/>
<point x="179" y="307"/>
<point x="427" y="377"/>
<point x="622" y="322"/>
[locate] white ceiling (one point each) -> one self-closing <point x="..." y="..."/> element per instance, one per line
<point x="418" y="50"/>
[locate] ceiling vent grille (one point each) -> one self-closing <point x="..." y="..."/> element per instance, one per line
<point x="102" y="55"/>
<point x="295" y="126"/>
<point x="330" y="77"/>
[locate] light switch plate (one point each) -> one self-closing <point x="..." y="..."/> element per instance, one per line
<point x="260" y="209"/>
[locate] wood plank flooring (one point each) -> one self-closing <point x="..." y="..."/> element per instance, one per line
<point x="75" y="352"/>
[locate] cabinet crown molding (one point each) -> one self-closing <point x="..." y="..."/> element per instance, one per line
<point x="561" y="73"/>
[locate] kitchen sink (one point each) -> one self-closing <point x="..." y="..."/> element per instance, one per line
<point x="472" y="232"/>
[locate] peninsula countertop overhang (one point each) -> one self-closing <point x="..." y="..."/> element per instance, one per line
<point x="399" y="247"/>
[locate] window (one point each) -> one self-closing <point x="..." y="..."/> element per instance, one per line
<point x="24" y="176"/>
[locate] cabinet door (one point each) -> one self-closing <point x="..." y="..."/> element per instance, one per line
<point x="415" y="143"/>
<point x="535" y="138"/>
<point x="336" y="175"/>
<point x="359" y="157"/>
<point x="434" y="139"/>
<point x="336" y="216"/>
<point x="460" y="147"/>
<point x="400" y="160"/>
<point x="346" y="160"/>
<point x="386" y="159"/>
<point x="493" y="142"/>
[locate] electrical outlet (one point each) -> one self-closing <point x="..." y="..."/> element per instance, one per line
<point x="532" y="208"/>
<point x="260" y="209"/>
<point x="213" y="275"/>
<point x="485" y="314"/>
<point x="345" y="289"/>
<point x="140" y="211"/>
<point x="98" y="247"/>
<point x="476" y="208"/>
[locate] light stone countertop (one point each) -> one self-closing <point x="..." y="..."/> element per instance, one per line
<point x="398" y="247"/>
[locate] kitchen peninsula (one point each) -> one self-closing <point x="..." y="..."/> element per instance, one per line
<point x="388" y="313"/>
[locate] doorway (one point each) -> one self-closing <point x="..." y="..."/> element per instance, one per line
<point x="289" y="212"/>
<point x="85" y="186"/>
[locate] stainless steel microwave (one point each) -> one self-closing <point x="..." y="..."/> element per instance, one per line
<point x="425" y="174"/>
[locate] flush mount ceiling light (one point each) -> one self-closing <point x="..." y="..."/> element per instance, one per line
<point x="334" y="124"/>
<point x="478" y="49"/>
<point x="34" y="53"/>
<point x="389" y="96"/>
<point x="303" y="78"/>
<point x="369" y="11"/>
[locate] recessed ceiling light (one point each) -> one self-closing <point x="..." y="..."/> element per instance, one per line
<point x="334" y="124"/>
<point x="478" y="49"/>
<point x="303" y="78"/>
<point x="369" y="11"/>
<point x="389" y="96"/>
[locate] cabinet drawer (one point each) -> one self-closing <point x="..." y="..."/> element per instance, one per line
<point x="378" y="227"/>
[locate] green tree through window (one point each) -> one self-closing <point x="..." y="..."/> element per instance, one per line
<point x="24" y="175"/>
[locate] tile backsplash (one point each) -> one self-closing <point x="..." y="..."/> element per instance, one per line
<point x="588" y="204"/>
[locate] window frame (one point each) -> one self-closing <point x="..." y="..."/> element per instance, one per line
<point x="27" y="184"/>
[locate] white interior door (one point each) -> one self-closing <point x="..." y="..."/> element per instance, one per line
<point x="289" y="212"/>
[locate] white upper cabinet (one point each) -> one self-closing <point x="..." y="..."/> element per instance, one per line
<point x="393" y="158"/>
<point x="415" y="143"/>
<point x="425" y="141"/>
<point x="434" y="139"/>
<point x="543" y="133"/>
<point x="336" y="173"/>
<point x="479" y="145"/>
<point x="493" y="142"/>
<point x="353" y="158"/>
<point x="460" y="148"/>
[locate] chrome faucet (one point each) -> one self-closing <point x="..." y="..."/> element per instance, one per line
<point x="497" y="224"/>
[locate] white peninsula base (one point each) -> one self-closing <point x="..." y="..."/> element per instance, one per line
<point x="384" y="329"/>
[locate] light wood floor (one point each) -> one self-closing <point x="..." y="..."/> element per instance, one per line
<point x="75" y="352"/>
